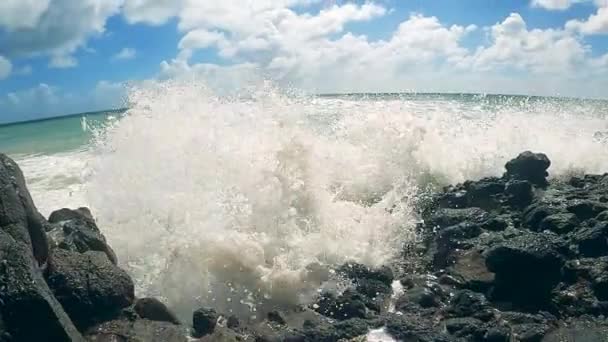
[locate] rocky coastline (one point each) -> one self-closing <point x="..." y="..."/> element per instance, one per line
<point x="518" y="257"/>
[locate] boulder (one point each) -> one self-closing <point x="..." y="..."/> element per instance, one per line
<point x="28" y="309"/>
<point x="90" y="288"/>
<point x="466" y="303"/>
<point x="527" y="268"/>
<point x="592" y="241"/>
<point x="154" y="310"/>
<point x="586" y="209"/>
<point x="559" y="223"/>
<point x="529" y="166"/>
<point x="519" y="193"/>
<point x="76" y="230"/>
<point x="471" y="271"/>
<point x="349" y="304"/>
<point x="204" y="321"/>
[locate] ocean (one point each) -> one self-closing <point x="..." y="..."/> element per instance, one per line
<point x="240" y="202"/>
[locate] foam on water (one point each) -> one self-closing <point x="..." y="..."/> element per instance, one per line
<point x="246" y="203"/>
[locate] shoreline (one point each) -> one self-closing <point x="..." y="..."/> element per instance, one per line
<point x="510" y="258"/>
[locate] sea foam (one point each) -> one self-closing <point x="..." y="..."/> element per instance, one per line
<point x="246" y="203"/>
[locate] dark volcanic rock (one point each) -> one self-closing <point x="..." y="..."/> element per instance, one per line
<point x="470" y="328"/>
<point x="529" y="166"/>
<point x="586" y="209"/>
<point x="470" y="269"/>
<point x="89" y="286"/>
<point x="519" y="193"/>
<point x="536" y="213"/>
<point x="560" y="223"/>
<point x="349" y="304"/>
<point x="136" y="331"/>
<point x="154" y="310"/>
<point x="579" y="332"/>
<point x="443" y="218"/>
<point x="76" y="230"/>
<point x="527" y="268"/>
<point x="592" y="241"/>
<point x="27" y="307"/>
<point x="466" y="303"/>
<point x="204" y="321"/>
<point x="485" y="193"/>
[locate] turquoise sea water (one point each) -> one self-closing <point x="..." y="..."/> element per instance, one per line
<point x="52" y="135"/>
<point x="62" y="134"/>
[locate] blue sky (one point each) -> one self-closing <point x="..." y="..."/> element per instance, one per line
<point x="64" y="56"/>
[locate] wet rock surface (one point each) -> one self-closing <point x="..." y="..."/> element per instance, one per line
<point x="513" y="258"/>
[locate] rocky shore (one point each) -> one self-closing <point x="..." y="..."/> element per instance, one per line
<point x="511" y="258"/>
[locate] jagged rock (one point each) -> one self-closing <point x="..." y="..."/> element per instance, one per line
<point x="27" y="307"/>
<point x="528" y="327"/>
<point x="419" y="295"/>
<point x="470" y="328"/>
<point x="560" y="223"/>
<point x="204" y="321"/>
<point x="586" y="209"/>
<point x="66" y="214"/>
<point x="76" y="230"/>
<point x="536" y="213"/>
<point x="529" y="166"/>
<point x="527" y="268"/>
<point x="592" y="241"/>
<point x="373" y="286"/>
<point x="407" y="327"/>
<point x="349" y="304"/>
<point x="498" y="334"/>
<point x="139" y="330"/>
<point x="579" y="332"/>
<point x="495" y="224"/>
<point x="471" y="271"/>
<point x="519" y="193"/>
<point x="446" y="217"/>
<point x="357" y="272"/>
<point x="466" y="303"/>
<point x="484" y="193"/>
<point x="154" y="310"/>
<point x="89" y="286"/>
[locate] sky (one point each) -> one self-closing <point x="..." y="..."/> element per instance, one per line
<point x="66" y="56"/>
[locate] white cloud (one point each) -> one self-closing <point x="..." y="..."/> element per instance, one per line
<point x="555" y="4"/>
<point x="56" y="29"/>
<point x="63" y="62"/>
<point x="514" y="46"/>
<point x="155" y="12"/>
<point x="21" y="14"/>
<point x="125" y="54"/>
<point x="5" y="67"/>
<point x="596" y="23"/>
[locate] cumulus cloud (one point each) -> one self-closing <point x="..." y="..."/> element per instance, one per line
<point x="555" y="4"/>
<point x="125" y="54"/>
<point x="55" y="27"/>
<point x="21" y="14"/>
<point x="596" y="23"/>
<point x="5" y="68"/>
<point x="514" y="46"/>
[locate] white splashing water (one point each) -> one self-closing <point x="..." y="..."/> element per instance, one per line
<point x="228" y="203"/>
